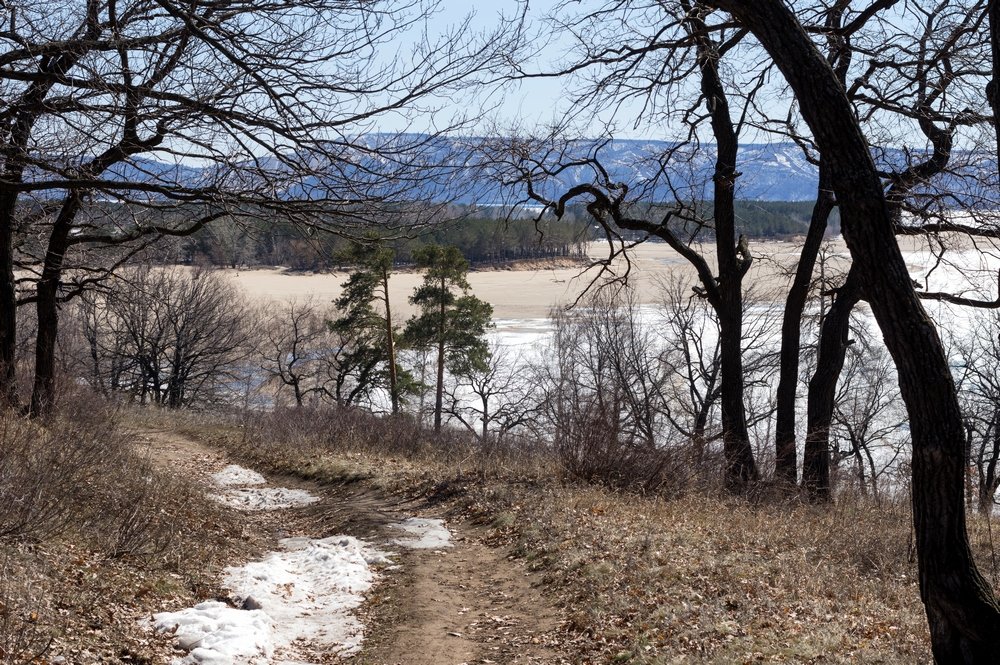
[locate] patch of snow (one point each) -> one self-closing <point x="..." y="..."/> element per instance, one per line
<point x="238" y="476"/>
<point x="305" y="595"/>
<point x="214" y="633"/>
<point x="423" y="533"/>
<point x="265" y="498"/>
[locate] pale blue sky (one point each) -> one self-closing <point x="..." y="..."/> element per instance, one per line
<point x="528" y="103"/>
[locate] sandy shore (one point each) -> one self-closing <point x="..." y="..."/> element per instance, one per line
<point x="527" y="294"/>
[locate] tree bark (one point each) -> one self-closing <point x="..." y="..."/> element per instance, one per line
<point x="833" y="343"/>
<point x="8" y="301"/>
<point x="785" y="444"/>
<point x="390" y="344"/>
<point x="963" y="614"/>
<point x="439" y="392"/>
<point x="47" y="308"/>
<point x="993" y="87"/>
<point x="734" y="261"/>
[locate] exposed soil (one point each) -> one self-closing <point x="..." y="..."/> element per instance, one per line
<point x="469" y="603"/>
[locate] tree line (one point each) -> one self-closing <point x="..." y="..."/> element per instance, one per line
<point x="178" y="337"/>
<point x="482" y="240"/>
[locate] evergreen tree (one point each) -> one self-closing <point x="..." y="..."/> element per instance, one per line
<point x="367" y="318"/>
<point x="451" y="320"/>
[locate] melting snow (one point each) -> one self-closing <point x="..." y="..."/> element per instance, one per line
<point x="236" y="493"/>
<point x="297" y="601"/>
<point x="215" y="634"/>
<point x="423" y="534"/>
<point x="235" y="475"/>
<point x="265" y="498"/>
<point x="304" y="594"/>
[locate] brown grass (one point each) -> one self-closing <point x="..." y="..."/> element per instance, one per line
<point x="693" y="578"/>
<point x="93" y="537"/>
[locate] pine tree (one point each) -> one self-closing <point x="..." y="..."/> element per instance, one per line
<point x="367" y="316"/>
<point x="451" y="320"/>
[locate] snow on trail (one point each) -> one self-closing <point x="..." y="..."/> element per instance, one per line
<point x="238" y="476"/>
<point x="238" y="491"/>
<point x="423" y="534"/>
<point x="265" y="498"/>
<point x="295" y="604"/>
<point x="303" y="594"/>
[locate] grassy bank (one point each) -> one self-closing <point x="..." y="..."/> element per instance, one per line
<point x="697" y="578"/>
<point x="94" y="537"/>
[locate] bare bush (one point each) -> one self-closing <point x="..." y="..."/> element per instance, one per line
<point x="167" y="336"/>
<point x="604" y="397"/>
<point x="78" y="475"/>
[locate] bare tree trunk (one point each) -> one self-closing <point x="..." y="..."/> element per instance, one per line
<point x="785" y="449"/>
<point x="734" y="261"/>
<point x="993" y="87"/>
<point x="8" y="302"/>
<point x="833" y="342"/>
<point x="47" y="308"/>
<point x="988" y="480"/>
<point x="962" y="612"/>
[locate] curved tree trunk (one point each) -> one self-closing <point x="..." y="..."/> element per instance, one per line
<point x="962" y="612"/>
<point x="833" y="343"/>
<point x="785" y="453"/>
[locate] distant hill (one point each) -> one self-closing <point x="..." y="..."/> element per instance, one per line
<point x="768" y="172"/>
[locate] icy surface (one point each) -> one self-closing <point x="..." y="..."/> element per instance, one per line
<point x="304" y="595"/>
<point x="237" y="476"/>
<point x="423" y="533"/>
<point x="265" y="498"/>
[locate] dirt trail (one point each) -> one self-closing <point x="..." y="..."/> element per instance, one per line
<point x="464" y="604"/>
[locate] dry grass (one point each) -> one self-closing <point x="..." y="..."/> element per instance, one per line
<point x="93" y="537"/>
<point x="712" y="580"/>
<point x="696" y="578"/>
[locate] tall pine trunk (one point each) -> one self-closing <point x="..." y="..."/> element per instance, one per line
<point x="390" y="345"/>
<point x="439" y="391"/>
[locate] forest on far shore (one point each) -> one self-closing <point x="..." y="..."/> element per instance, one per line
<point x="483" y="235"/>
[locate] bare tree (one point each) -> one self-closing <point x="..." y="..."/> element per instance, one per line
<point x="166" y="116"/>
<point x="868" y="419"/>
<point x="293" y="346"/>
<point x="495" y="399"/>
<point x="979" y="388"/>
<point x="689" y="343"/>
<point x="171" y="337"/>
<point x="962" y="611"/>
<point x="671" y="64"/>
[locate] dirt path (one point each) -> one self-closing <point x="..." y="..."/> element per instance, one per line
<point x="463" y="604"/>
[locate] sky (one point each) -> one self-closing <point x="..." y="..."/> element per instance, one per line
<point x="541" y="102"/>
<point x="531" y="102"/>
